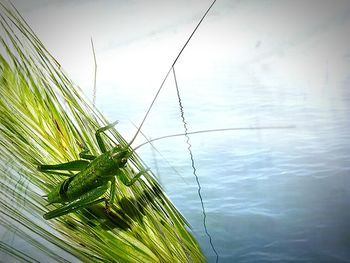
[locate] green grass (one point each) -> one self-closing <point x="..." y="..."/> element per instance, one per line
<point x="44" y="119"/>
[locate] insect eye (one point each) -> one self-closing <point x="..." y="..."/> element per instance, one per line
<point x="124" y="160"/>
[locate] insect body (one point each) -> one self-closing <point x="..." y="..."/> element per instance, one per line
<point x="95" y="175"/>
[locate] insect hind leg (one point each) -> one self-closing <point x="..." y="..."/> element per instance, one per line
<point x="84" y="201"/>
<point x="77" y="165"/>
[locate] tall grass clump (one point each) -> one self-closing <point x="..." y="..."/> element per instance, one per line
<point x="44" y="119"/>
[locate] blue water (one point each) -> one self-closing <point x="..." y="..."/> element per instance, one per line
<point x="270" y="195"/>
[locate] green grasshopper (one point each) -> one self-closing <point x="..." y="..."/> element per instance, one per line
<point x="95" y="175"/>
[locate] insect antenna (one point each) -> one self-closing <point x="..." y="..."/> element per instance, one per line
<point x="167" y="74"/>
<point x="95" y="73"/>
<point x="212" y="130"/>
<point x="161" y="155"/>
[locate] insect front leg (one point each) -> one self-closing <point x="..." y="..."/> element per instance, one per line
<point x="84" y="201"/>
<point x="112" y="195"/>
<point x="77" y="165"/>
<point x="100" y="142"/>
<point x="130" y="182"/>
<point x="85" y="154"/>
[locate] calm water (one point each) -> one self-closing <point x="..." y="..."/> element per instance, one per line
<point x="269" y="195"/>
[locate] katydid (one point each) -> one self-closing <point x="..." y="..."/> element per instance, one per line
<point x="92" y="181"/>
